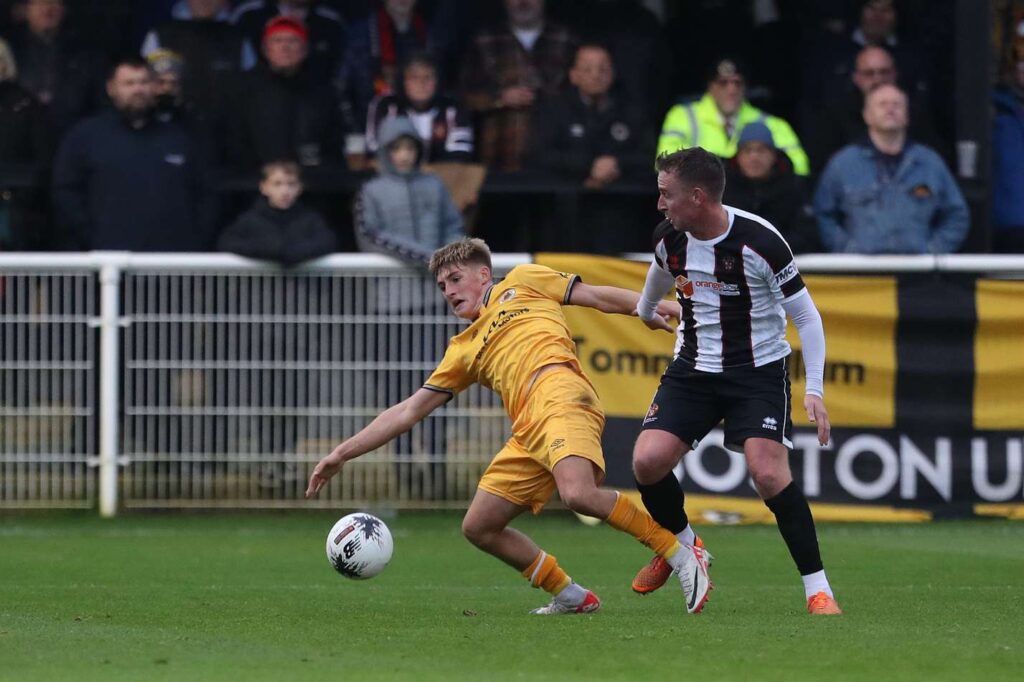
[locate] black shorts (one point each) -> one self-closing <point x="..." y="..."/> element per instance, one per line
<point x="753" y="401"/>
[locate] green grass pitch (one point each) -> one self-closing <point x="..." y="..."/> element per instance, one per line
<point x="252" y="597"/>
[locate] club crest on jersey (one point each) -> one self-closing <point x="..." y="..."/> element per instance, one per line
<point x="728" y="263"/>
<point x="684" y="286"/>
<point x="507" y="296"/>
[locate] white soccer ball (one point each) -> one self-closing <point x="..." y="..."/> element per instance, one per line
<point x="359" y="546"/>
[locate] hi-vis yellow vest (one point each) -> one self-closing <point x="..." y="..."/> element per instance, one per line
<point x="699" y="124"/>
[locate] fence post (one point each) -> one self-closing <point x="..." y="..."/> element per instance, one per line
<point x="109" y="376"/>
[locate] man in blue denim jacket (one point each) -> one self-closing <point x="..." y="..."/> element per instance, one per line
<point x="887" y="194"/>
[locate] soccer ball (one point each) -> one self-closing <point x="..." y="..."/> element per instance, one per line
<point x="359" y="546"/>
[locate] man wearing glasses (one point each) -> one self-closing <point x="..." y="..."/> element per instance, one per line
<point x="716" y="120"/>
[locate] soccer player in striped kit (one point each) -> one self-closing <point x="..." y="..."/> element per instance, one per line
<point x="736" y="281"/>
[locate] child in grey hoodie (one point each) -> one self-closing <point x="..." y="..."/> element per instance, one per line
<point x="404" y="212"/>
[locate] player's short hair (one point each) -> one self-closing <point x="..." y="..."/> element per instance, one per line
<point x="286" y="166"/>
<point x="463" y="252"/>
<point x="695" y="167"/>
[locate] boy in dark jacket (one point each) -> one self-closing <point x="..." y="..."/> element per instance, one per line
<point x="278" y="227"/>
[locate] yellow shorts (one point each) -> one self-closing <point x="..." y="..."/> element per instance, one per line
<point x="562" y="417"/>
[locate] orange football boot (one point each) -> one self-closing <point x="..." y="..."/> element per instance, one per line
<point x="656" y="572"/>
<point x="821" y="604"/>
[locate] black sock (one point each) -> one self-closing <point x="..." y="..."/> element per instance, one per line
<point x="664" y="502"/>
<point x="796" y="524"/>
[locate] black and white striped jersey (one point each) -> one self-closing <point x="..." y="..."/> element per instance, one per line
<point x="730" y="289"/>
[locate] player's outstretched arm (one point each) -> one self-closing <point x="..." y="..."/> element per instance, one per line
<point x="390" y="423"/>
<point x="617" y="301"/>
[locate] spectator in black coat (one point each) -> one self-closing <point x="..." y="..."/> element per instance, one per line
<point x="832" y="59"/>
<point x="213" y="53"/>
<point x="124" y="180"/>
<point x="588" y="136"/>
<point x="279" y="111"/>
<point x="639" y="49"/>
<point x="63" y="74"/>
<point x="25" y="151"/>
<point x="278" y="227"/>
<point x="24" y="137"/>
<point x="761" y="180"/>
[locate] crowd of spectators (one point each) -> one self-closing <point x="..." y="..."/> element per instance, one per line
<point x="830" y="116"/>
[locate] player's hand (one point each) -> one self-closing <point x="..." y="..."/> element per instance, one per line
<point x="659" y="323"/>
<point x="817" y="414"/>
<point x="670" y="310"/>
<point x="324" y="470"/>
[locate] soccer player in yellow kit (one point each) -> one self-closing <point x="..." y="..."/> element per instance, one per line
<point x="519" y="346"/>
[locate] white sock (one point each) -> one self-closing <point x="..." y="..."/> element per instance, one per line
<point x="815" y="583"/>
<point x="572" y="594"/>
<point x="687" y="536"/>
<point x="677" y="560"/>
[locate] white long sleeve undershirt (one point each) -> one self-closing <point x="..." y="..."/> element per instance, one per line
<point x="658" y="282"/>
<point x="805" y="316"/>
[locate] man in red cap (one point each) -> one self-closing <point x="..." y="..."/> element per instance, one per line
<point x="281" y="111"/>
<point x="326" y="29"/>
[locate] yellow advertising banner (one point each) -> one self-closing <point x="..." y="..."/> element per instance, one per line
<point x="620" y="354"/>
<point x="859" y="314"/>
<point x="625" y="359"/>
<point x="998" y="354"/>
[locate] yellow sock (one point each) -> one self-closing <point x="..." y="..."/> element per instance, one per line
<point x="545" y="573"/>
<point x="627" y="517"/>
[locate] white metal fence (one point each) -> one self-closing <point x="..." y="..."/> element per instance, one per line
<point x="48" y="386"/>
<point x="170" y="380"/>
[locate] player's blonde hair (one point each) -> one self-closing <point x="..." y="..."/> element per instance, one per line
<point x="462" y="252"/>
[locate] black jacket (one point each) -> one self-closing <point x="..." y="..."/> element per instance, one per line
<point x="70" y="75"/>
<point x="567" y="135"/>
<point x="139" y="189"/>
<point x="287" y="236"/>
<point x="781" y="199"/>
<point x="24" y="136"/>
<point x="274" y="116"/>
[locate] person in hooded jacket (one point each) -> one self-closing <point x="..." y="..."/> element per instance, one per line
<point x="404" y="212"/>
<point x="278" y="226"/>
<point x="760" y="179"/>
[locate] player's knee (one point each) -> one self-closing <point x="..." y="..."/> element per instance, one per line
<point x="578" y="498"/>
<point x="650" y="467"/>
<point x="477" y="533"/>
<point x="768" y="482"/>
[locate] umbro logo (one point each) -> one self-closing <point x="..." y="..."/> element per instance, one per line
<point x="557" y="443"/>
<point x="770" y="423"/>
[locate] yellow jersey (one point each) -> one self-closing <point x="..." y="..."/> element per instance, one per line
<point x="520" y="329"/>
